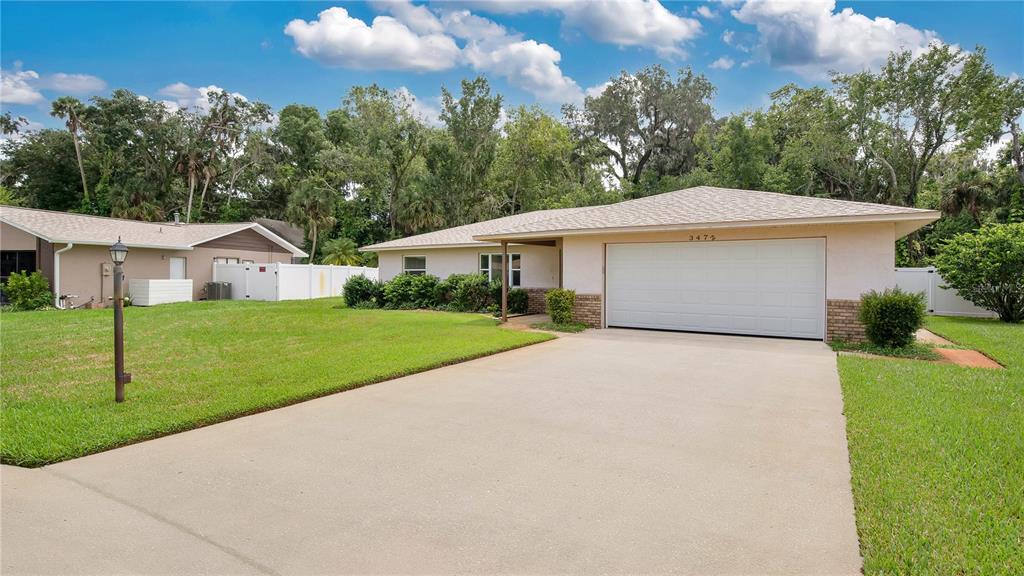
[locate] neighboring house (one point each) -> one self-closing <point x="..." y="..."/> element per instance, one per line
<point x="702" y="259"/>
<point x="72" y="250"/>
<point x="292" y="234"/>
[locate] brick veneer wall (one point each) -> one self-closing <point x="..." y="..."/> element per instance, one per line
<point x="588" y="310"/>
<point x="841" y="321"/>
<point x="535" y="302"/>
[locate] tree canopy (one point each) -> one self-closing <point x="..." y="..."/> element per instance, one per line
<point x="940" y="130"/>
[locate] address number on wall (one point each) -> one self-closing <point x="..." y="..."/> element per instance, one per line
<point x="701" y="237"/>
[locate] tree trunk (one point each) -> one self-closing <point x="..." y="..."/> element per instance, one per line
<point x="202" y="196"/>
<point x="312" y="250"/>
<point x="81" y="167"/>
<point x="191" y="193"/>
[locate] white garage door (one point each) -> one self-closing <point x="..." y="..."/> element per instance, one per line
<point x="764" y="287"/>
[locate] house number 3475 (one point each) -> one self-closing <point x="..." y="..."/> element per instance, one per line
<point x="701" y="237"/>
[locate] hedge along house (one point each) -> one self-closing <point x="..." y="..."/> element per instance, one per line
<point x="701" y="259"/>
<point x="72" y="250"/>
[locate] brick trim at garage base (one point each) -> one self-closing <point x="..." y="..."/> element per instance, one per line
<point x="841" y="321"/>
<point x="588" y="310"/>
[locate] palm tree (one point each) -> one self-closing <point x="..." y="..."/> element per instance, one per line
<point x="419" y="211"/>
<point x="70" y="109"/>
<point x="312" y="205"/>
<point x="970" y="192"/>
<point x="341" y="251"/>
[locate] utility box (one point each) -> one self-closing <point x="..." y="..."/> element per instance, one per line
<point x="218" y="290"/>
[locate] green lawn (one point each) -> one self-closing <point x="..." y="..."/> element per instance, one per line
<point x="937" y="454"/>
<point x="202" y="362"/>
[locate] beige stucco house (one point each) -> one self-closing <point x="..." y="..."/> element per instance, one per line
<point x="701" y="259"/>
<point x="72" y="250"/>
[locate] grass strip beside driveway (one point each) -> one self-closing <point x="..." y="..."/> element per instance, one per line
<point x="936" y="456"/>
<point x="203" y="362"/>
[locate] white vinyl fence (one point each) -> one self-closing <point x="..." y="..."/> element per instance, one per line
<point x="941" y="301"/>
<point x="275" y="281"/>
<point x="153" y="292"/>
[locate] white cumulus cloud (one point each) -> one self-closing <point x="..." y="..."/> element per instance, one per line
<point x="642" y="23"/>
<point x="706" y="12"/>
<point x="72" y="83"/>
<point x="20" y="86"/>
<point x="809" y="37"/>
<point x="527" y="64"/>
<point x="723" y="63"/>
<point x="337" y="39"/>
<point x="427" y="113"/>
<point x="182" y="95"/>
<point x="17" y="87"/>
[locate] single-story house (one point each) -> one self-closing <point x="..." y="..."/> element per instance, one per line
<point x="701" y="259"/>
<point x="72" y="250"/>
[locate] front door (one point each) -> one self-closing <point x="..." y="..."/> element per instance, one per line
<point x="178" y="271"/>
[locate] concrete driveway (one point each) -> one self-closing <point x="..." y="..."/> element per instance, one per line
<point x="612" y="451"/>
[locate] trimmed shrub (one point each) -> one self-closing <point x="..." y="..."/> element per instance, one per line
<point x="28" y="291"/>
<point x="560" y="303"/>
<point x="987" y="268"/>
<point x="518" y="301"/>
<point x="465" y="293"/>
<point x="408" y="291"/>
<point x="361" y="292"/>
<point x="890" y="318"/>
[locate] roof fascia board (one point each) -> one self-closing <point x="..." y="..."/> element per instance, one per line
<point x="373" y="248"/>
<point x="923" y="217"/>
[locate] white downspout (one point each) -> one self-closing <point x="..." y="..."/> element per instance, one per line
<point x="56" y="273"/>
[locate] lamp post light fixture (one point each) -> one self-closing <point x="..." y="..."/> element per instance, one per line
<point x="118" y="253"/>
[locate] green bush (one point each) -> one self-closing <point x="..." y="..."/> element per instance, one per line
<point x="409" y="291"/>
<point x="28" y="291"/>
<point x="560" y="304"/>
<point x="360" y="291"/>
<point x="465" y="293"/>
<point x="890" y="318"/>
<point x="987" y="268"/>
<point x="518" y="301"/>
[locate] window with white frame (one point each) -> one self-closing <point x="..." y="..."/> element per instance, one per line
<point x="225" y="260"/>
<point x="416" y="265"/>
<point x="490" y="264"/>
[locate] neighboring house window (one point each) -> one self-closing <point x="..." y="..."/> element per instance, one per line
<point x="248" y="261"/>
<point x="416" y="265"/>
<point x="490" y="264"/>
<point x="225" y="260"/>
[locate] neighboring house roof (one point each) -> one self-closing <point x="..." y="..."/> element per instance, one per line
<point x="710" y="207"/>
<point x="293" y="234"/>
<point x="463" y="235"/>
<point x="65" y="228"/>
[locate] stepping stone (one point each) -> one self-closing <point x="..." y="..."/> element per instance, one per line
<point x="968" y="358"/>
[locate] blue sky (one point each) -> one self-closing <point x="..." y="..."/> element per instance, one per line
<point x="534" y="51"/>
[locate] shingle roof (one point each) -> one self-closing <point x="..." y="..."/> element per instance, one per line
<point x="64" y="227"/>
<point x="463" y="235"/>
<point x="705" y="206"/>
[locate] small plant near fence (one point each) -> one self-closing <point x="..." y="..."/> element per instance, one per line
<point x="892" y="317"/>
<point x="560" y="303"/>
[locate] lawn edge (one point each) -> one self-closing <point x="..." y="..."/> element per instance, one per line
<point x="6" y="461"/>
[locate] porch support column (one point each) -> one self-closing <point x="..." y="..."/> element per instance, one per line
<point x="504" y="280"/>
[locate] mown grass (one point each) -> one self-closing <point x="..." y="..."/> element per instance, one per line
<point x="937" y="456"/>
<point x="203" y="362"/>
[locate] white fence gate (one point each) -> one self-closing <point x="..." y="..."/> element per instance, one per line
<point x="941" y="301"/>
<point x="275" y="281"/>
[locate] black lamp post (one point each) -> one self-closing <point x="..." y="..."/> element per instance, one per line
<point x="118" y="253"/>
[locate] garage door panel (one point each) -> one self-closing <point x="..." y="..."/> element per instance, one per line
<point x="770" y="287"/>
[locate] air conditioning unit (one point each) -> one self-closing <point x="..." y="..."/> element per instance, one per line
<point x="218" y="290"/>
